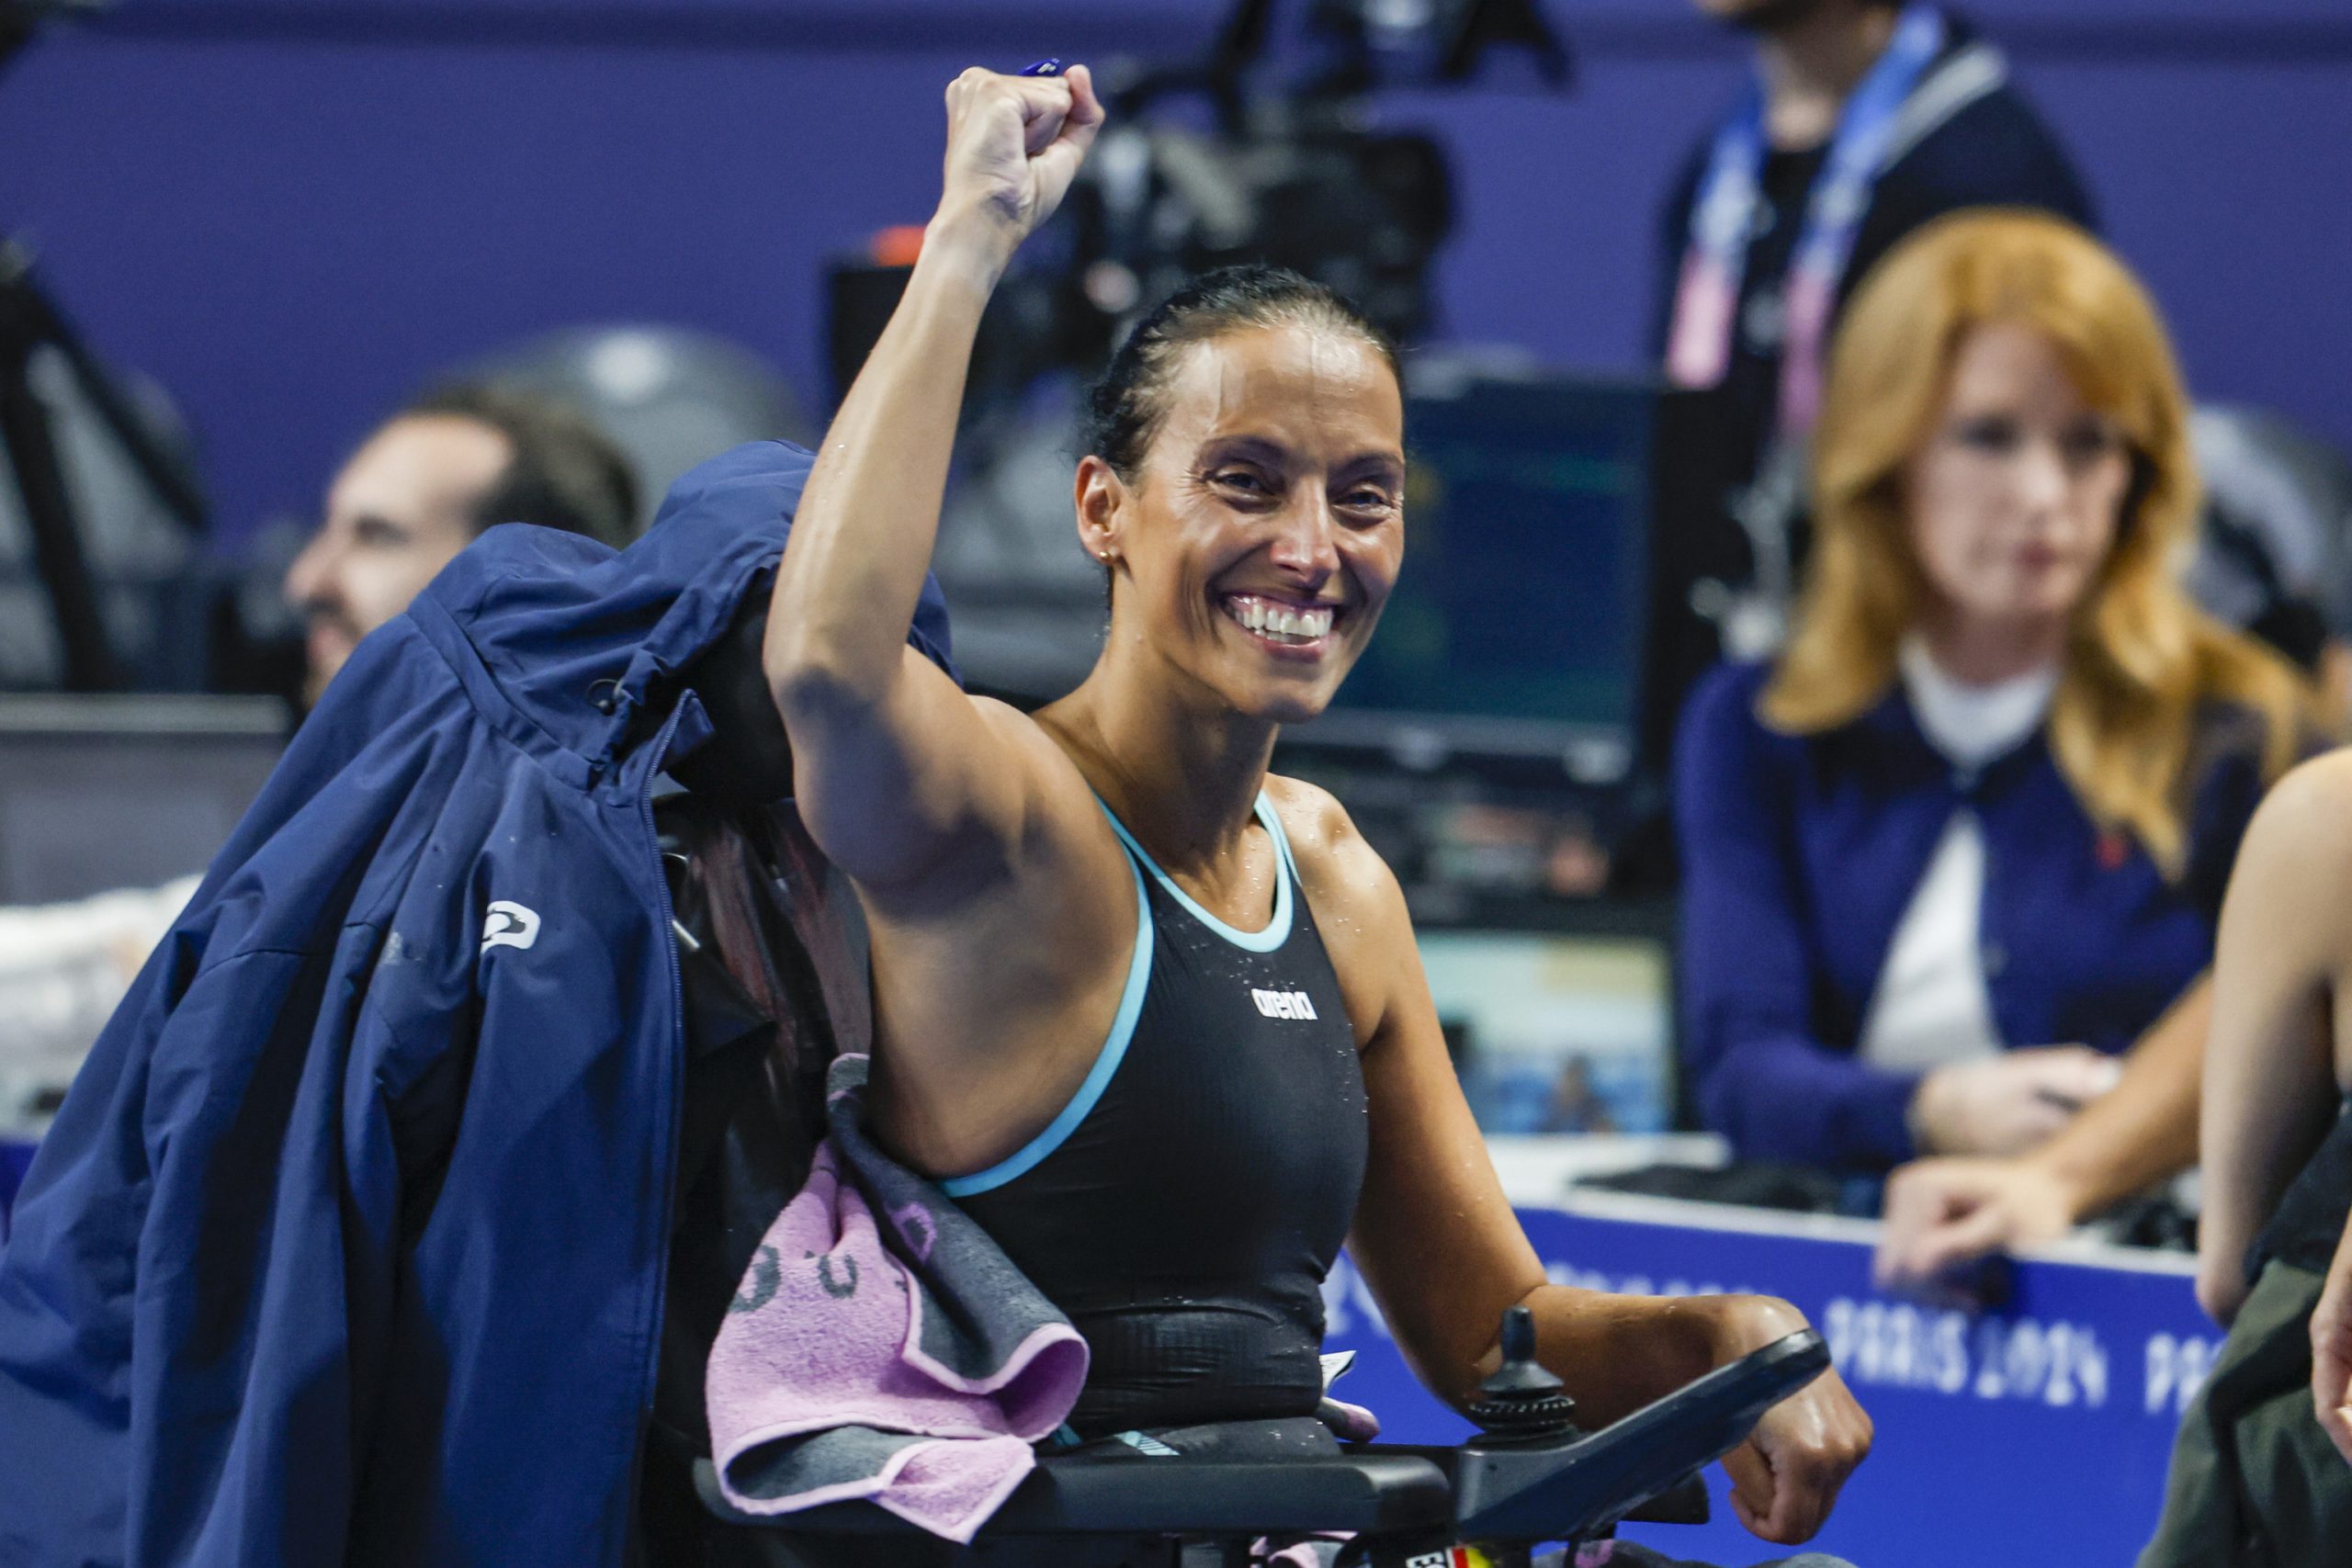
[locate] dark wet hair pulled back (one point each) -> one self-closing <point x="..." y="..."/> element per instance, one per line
<point x="1125" y="407"/>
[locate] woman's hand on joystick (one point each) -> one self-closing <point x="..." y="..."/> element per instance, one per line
<point x="1014" y="145"/>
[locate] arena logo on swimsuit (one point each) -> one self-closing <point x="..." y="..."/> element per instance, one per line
<point x="1283" y="1004"/>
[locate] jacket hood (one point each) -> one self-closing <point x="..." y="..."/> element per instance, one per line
<point x="568" y="645"/>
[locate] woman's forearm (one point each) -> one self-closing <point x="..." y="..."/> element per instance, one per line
<point x="894" y="768"/>
<point x="863" y="534"/>
<point x="2144" y="1129"/>
<point x="1617" y="1353"/>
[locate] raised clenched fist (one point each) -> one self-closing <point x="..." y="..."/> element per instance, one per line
<point x="1014" y="145"/>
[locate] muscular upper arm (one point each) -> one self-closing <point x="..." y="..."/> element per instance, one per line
<point x="1434" y="1235"/>
<point x="2268" y="1091"/>
<point x="901" y="785"/>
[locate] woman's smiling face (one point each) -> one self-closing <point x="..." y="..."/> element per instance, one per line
<point x="1265" y="524"/>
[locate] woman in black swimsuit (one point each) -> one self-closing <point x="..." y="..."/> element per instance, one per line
<point x="1155" y="1016"/>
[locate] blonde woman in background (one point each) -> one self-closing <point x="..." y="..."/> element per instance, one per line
<point x="1965" y="841"/>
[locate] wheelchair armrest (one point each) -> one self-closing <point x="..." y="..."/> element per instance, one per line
<point x="1684" y="1503"/>
<point x="1366" y="1493"/>
<point x="1568" y="1492"/>
<point x="1562" y="1488"/>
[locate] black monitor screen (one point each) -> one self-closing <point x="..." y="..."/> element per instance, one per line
<point x="1522" y="597"/>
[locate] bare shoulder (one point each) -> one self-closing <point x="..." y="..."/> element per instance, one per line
<point x="2306" y="819"/>
<point x="2293" y="874"/>
<point x="1358" y="909"/>
<point x="1027" y="740"/>
<point x="1334" y="857"/>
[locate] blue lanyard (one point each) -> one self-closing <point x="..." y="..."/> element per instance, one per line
<point x="1722" y="218"/>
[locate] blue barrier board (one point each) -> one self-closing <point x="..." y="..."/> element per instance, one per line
<point x="2035" y="1436"/>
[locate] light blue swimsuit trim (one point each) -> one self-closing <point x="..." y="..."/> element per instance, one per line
<point x="1277" y="930"/>
<point x="1123" y="1025"/>
<point x="1098" y="1079"/>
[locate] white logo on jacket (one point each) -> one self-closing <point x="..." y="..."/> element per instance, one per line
<point x="1283" y="1004"/>
<point x="508" y="924"/>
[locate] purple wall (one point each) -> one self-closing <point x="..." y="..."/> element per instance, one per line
<point x="293" y="211"/>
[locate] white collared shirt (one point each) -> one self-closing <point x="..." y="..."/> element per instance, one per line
<point x="1930" y="1005"/>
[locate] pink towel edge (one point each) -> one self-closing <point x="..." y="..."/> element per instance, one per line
<point x="959" y="1529"/>
<point x="882" y="1420"/>
<point x="797" y="1502"/>
<point x="964" y="1528"/>
<point x="1034" y="1345"/>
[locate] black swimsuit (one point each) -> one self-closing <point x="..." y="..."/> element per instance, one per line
<point x="1185" y="1206"/>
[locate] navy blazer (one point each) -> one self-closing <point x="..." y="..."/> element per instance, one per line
<point x="1801" y="854"/>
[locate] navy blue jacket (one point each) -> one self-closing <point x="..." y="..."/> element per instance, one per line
<point x="1802" y="852"/>
<point x="347" y="1245"/>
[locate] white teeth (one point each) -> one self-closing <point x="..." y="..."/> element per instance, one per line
<point x="1280" y="620"/>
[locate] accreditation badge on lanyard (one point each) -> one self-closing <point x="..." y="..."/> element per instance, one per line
<point x="1706" y="298"/>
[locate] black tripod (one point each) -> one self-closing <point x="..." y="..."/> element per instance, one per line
<point x="28" y="324"/>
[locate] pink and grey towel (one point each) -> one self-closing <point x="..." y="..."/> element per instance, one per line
<point x="882" y="1348"/>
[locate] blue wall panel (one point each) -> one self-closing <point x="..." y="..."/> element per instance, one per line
<point x="293" y="211"/>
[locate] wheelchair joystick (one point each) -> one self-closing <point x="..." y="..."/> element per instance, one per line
<point x="1522" y="1401"/>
